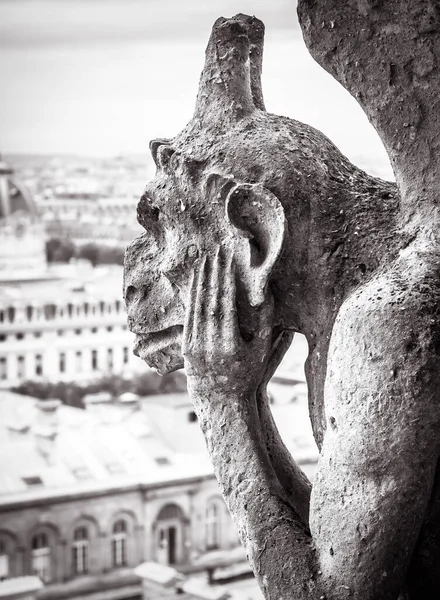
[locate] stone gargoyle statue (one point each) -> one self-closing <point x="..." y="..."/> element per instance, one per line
<point x="257" y="227"/>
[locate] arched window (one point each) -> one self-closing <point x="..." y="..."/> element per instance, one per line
<point x="213" y="525"/>
<point x="119" y="543"/>
<point x="80" y="551"/>
<point x="170" y="532"/>
<point x="4" y="561"/>
<point x="41" y="560"/>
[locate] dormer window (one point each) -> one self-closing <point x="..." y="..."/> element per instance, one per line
<point x="33" y="481"/>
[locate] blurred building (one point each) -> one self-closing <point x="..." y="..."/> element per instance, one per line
<point x="22" y="244"/>
<point x="58" y="323"/>
<point x="159" y="581"/>
<point x="64" y="326"/>
<point x="90" y="217"/>
<point x="87" y="495"/>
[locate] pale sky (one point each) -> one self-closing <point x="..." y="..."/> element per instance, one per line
<point x="103" y="77"/>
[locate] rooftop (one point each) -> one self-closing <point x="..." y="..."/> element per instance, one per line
<point x="116" y="444"/>
<point x="126" y="442"/>
<point x="72" y="450"/>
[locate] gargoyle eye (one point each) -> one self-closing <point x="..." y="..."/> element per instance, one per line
<point x="147" y="213"/>
<point x="155" y="145"/>
<point x="164" y="156"/>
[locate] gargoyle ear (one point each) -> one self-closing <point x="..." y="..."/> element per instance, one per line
<point x="257" y="214"/>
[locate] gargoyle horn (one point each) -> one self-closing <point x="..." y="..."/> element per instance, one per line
<point x="255" y="33"/>
<point x="230" y="84"/>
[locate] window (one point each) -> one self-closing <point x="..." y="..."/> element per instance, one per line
<point x="78" y="361"/>
<point x="3" y="367"/>
<point x="62" y="362"/>
<point x="50" y="311"/>
<point x="20" y="367"/>
<point x="70" y="310"/>
<point x="94" y="330"/>
<point x="29" y="312"/>
<point x="80" y="551"/>
<point x="78" y="331"/>
<point x="192" y="417"/>
<point x="2" y="337"/>
<point x="212" y="524"/>
<point x="109" y="328"/>
<point x="119" y="544"/>
<point x="60" y="332"/>
<point x="38" y="364"/>
<point x="94" y="360"/>
<point x="41" y="557"/>
<point x="37" y="334"/>
<point x="81" y="472"/>
<point x="125" y="355"/>
<point x="11" y="314"/>
<point x="33" y="480"/>
<point x="4" y="562"/>
<point x="110" y="359"/>
<point x="19" y="336"/>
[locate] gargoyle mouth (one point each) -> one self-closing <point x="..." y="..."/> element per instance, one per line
<point x="157" y="341"/>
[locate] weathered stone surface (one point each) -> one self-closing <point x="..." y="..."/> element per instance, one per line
<point x="257" y="227"/>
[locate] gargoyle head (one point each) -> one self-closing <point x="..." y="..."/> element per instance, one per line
<point x="237" y="176"/>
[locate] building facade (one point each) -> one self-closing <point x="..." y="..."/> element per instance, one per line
<point x="69" y="325"/>
<point x="90" y="218"/>
<point x="74" y="542"/>
<point x="21" y="231"/>
<point x="87" y="495"/>
<point x="57" y="323"/>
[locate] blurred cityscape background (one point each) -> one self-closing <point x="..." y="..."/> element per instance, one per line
<point x="106" y="490"/>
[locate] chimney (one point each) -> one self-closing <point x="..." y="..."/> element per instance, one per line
<point x="127" y="404"/>
<point x="158" y="581"/>
<point x="97" y="405"/>
<point x="46" y="428"/>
